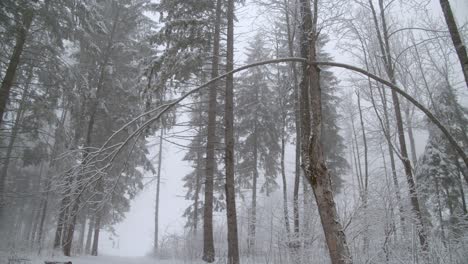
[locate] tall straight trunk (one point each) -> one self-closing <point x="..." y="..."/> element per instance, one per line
<point x="208" y="241"/>
<point x="22" y="29"/>
<point x="456" y="38"/>
<point x="97" y="229"/>
<point x="44" y="205"/>
<point x="386" y="128"/>
<point x="197" y="192"/>
<point x="63" y="212"/>
<point x="90" y="128"/>
<point x="364" y="141"/>
<point x="11" y="143"/>
<point x="366" y="174"/>
<point x="285" y="189"/>
<point x="81" y="237"/>
<point x="297" y="117"/>
<point x="283" y="147"/>
<point x="99" y="214"/>
<point x="158" y="185"/>
<point x="89" y="235"/>
<point x="439" y="212"/>
<point x="233" y="244"/>
<point x="253" y="208"/>
<point x="35" y="227"/>
<point x="409" y="127"/>
<point x="313" y="161"/>
<point x="385" y="48"/>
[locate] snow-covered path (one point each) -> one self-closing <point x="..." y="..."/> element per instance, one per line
<point x="102" y="260"/>
<point x="117" y="260"/>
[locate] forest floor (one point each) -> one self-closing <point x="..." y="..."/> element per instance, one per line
<point x="93" y="260"/>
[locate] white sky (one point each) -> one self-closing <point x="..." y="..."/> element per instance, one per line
<point x="136" y="231"/>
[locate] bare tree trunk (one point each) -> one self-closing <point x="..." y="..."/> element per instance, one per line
<point x="366" y="174"/>
<point x="313" y="162"/>
<point x="385" y="48"/>
<point x="158" y="185"/>
<point x="14" y="133"/>
<point x="253" y="208"/>
<point x="22" y="29"/>
<point x="97" y="229"/>
<point x="197" y="192"/>
<point x="208" y="242"/>
<point x="386" y="129"/>
<point x="80" y="248"/>
<point x="89" y="235"/>
<point x="285" y="190"/>
<point x="233" y="244"/>
<point x="456" y="38"/>
<point x="297" y="114"/>
<point x="409" y="127"/>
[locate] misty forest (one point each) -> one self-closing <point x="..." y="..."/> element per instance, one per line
<point x="233" y="131"/>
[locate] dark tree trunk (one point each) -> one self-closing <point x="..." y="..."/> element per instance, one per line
<point x="208" y="242"/>
<point x="90" y="129"/>
<point x="388" y="63"/>
<point x="14" y="133"/>
<point x="313" y="162"/>
<point x="233" y="244"/>
<point x="456" y="38"/>
<point x="97" y="229"/>
<point x="22" y="29"/>
<point x="197" y="192"/>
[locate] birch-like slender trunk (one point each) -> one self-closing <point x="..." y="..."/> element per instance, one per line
<point x="158" y="188"/>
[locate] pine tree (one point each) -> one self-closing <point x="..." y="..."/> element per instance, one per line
<point x="257" y="128"/>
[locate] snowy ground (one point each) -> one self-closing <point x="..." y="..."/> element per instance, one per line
<point x="98" y="260"/>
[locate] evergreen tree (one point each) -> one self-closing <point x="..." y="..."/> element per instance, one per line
<point x="257" y="128"/>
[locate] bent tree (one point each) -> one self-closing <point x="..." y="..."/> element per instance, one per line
<point x="319" y="184"/>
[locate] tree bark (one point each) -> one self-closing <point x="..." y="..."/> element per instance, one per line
<point x="297" y="116"/>
<point x="208" y="241"/>
<point x="366" y="175"/>
<point x="70" y="228"/>
<point x="22" y="30"/>
<point x="14" y="133"/>
<point x="158" y="185"/>
<point x="285" y="189"/>
<point x="253" y="208"/>
<point x="456" y="38"/>
<point x="233" y="244"/>
<point x="197" y="191"/>
<point x="97" y="229"/>
<point x="313" y="162"/>
<point x="385" y="48"/>
<point x="81" y="238"/>
<point x="89" y="235"/>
